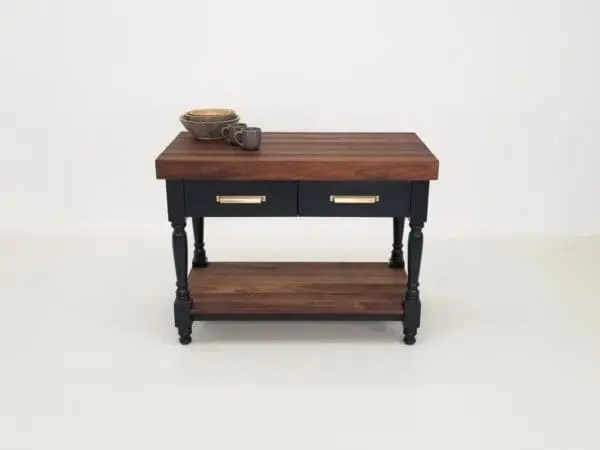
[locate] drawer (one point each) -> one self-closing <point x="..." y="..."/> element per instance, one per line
<point x="354" y="198"/>
<point x="241" y="198"/>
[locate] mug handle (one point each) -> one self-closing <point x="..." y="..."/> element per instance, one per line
<point x="236" y="138"/>
<point x="225" y="132"/>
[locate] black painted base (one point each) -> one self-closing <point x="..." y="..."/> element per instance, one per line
<point x="410" y="336"/>
<point x="199" y="259"/>
<point x="199" y="263"/>
<point x="396" y="261"/>
<point x="185" y="335"/>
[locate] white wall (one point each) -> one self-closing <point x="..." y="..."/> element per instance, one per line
<point x="506" y="93"/>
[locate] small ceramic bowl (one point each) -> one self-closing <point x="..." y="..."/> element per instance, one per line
<point x="206" y="131"/>
<point x="210" y="115"/>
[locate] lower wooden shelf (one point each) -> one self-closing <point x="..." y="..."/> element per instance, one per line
<point x="306" y="289"/>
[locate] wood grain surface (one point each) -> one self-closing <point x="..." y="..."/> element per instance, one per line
<point x="301" y="156"/>
<point x="289" y="288"/>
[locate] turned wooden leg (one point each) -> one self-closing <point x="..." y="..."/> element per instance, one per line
<point x="177" y="217"/>
<point x="183" y="315"/>
<point x="412" y="300"/>
<point x="419" y="199"/>
<point x="199" y="251"/>
<point x="397" y="257"/>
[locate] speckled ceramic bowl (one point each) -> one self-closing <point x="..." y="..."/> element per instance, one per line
<point x="206" y="131"/>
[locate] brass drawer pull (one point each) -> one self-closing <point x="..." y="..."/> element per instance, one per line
<point x="241" y="199"/>
<point x="354" y="199"/>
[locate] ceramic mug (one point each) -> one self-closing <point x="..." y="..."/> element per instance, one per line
<point x="229" y="131"/>
<point x="248" y="138"/>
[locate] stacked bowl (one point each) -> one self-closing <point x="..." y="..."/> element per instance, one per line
<point x="207" y="124"/>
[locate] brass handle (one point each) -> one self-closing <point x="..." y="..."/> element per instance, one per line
<point x="354" y="199"/>
<point x="241" y="199"/>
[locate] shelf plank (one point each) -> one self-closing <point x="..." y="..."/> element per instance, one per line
<point x="297" y="288"/>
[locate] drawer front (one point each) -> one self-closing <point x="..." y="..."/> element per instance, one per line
<point x="241" y="198"/>
<point x="354" y="198"/>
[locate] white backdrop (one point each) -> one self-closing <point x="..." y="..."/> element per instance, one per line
<point x="506" y="94"/>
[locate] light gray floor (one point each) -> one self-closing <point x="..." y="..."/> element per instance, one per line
<point x="508" y="356"/>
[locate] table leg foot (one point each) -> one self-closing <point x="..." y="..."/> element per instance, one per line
<point x="185" y="335"/>
<point x="410" y="336"/>
<point x="199" y="260"/>
<point x="396" y="261"/>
